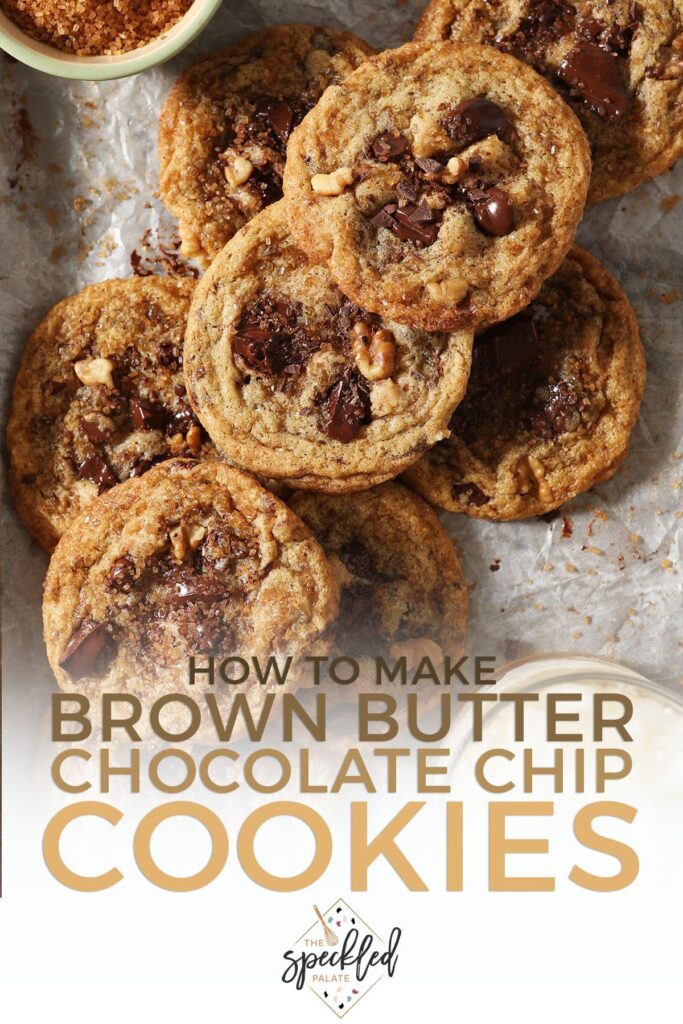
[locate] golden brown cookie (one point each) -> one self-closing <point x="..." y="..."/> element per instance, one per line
<point x="296" y="384"/>
<point x="619" y="64"/>
<point x="191" y="559"/>
<point x="442" y="183"/>
<point x="225" y="125"/>
<point x="552" y="400"/>
<point x="99" y="397"/>
<point x="401" y="585"/>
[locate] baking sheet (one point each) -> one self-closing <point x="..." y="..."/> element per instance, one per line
<point x="78" y="204"/>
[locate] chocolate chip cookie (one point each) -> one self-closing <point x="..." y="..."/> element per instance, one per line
<point x="225" y="126"/>
<point x="99" y="397"/>
<point x="442" y="183"/>
<point x="296" y="383"/>
<point x="619" y="64"/>
<point x="402" y="589"/>
<point x="194" y="558"/>
<point x="552" y="399"/>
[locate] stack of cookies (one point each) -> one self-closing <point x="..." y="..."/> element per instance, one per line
<point x="391" y="288"/>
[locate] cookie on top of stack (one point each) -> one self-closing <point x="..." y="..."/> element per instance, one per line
<point x="413" y="305"/>
<point x="617" y="64"/>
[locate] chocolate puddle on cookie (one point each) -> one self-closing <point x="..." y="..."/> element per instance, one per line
<point x="194" y="599"/>
<point x="197" y="597"/>
<point x="260" y="135"/>
<point x="594" y="75"/>
<point x="592" y="69"/>
<point x="88" y="651"/>
<point x="429" y="185"/>
<point x="101" y="418"/>
<point x="359" y="632"/>
<point x="272" y="342"/>
<point x="525" y="380"/>
<point x="547" y="21"/>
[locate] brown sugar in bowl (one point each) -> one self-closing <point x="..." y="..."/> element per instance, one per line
<point x="90" y="66"/>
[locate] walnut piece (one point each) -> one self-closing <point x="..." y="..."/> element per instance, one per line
<point x="194" y="440"/>
<point x="95" y="371"/>
<point x="530" y="471"/>
<point x="375" y="353"/>
<point x="538" y="470"/>
<point x="453" y="290"/>
<point x="191" y="246"/>
<point x="455" y="168"/>
<point x="332" y="184"/>
<point x="239" y="171"/>
<point x="185" y="538"/>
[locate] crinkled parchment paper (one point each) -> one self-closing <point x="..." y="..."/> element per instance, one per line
<point x="78" y="203"/>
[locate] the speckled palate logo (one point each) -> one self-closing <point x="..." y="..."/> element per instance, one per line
<point x="340" y="958"/>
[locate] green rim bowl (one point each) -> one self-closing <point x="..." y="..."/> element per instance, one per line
<point x="96" y="69"/>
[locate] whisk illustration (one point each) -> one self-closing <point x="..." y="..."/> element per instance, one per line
<point x="330" y="937"/>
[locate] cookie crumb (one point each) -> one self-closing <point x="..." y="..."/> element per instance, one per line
<point x="666" y="298"/>
<point x="669" y="203"/>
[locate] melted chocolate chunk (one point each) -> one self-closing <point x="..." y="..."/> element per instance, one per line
<point x="206" y="634"/>
<point x="272" y="340"/>
<point x="187" y="585"/>
<point x="191" y="596"/>
<point x="169" y="355"/>
<point x="492" y="210"/>
<point x="86" y="650"/>
<point x="415" y="222"/>
<point x="472" y="494"/>
<point x="53" y="387"/>
<point x="141" y="466"/>
<point x="359" y="561"/>
<point x="281" y="116"/>
<point x="614" y="38"/>
<point x="348" y="406"/>
<point x="547" y="21"/>
<point x="97" y="470"/>
<point x="429" y="165"/>
<point x="266" y="133"/>
<point x="559" y="410"/>
<point x="546" y="18"/>
<point x="181" y="421"/>
<point x="146" y="416"/>
<point x="506" y="348"/>
<point x="260" y="350"/>
<point x="475" y="119"/>
<point x="121" y="575"/>
<point x="593" y="73"/>
<point x="389" y="146"/>
<point x="93" y="431"/>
